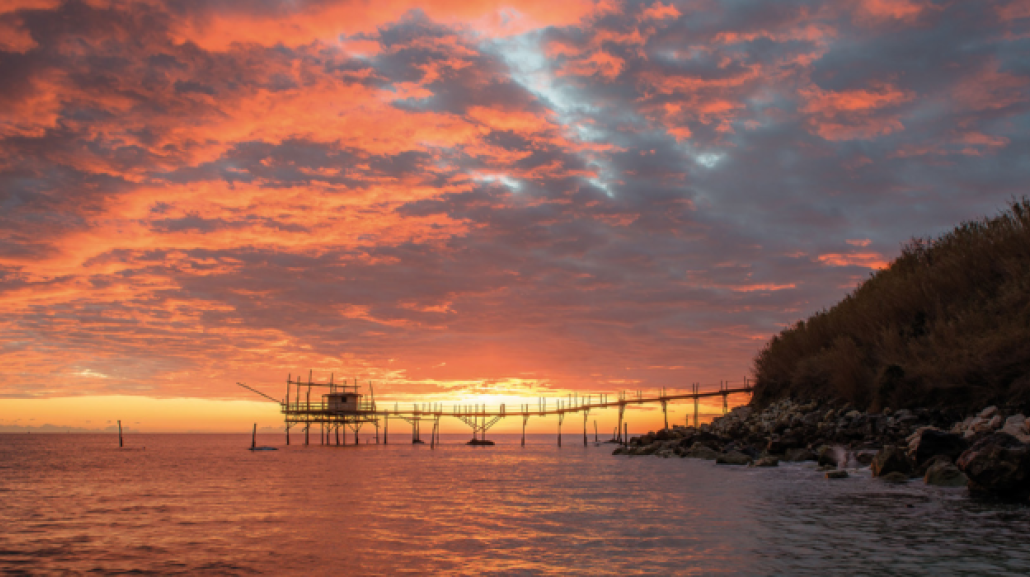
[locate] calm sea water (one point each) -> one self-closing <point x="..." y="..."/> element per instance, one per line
<point x="202" y="504"/>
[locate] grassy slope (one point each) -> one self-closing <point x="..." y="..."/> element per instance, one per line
<point x="947" y="324"/>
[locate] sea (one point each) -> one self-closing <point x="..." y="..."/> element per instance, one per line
<point x="202" y="504"/>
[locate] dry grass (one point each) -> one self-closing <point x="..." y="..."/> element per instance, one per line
<point x="947" y="324"/>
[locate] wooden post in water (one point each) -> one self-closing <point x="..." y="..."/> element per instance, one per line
<point x="595" y="430"/>
<point x="253" y="437"/>
<point x="525" y="418"/>
<point x="307" y="434"/>
<point x="287" y="434"/>
<point x="665" y="412"/>
<point x="585" y="414"/>
<point x="625" y="434"/>
<point x="386" y="429"/>
<point x="120" y="442"/>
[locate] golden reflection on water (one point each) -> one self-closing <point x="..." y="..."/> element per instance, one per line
<point x="202" y="504"/>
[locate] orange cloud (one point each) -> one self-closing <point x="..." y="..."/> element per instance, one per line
<point x="867" y="259"/>
<point x="854" y="114"/>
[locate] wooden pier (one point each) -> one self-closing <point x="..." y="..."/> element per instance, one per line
<point x="343" y="407"/>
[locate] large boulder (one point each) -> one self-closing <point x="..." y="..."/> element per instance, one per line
<point x="767" y="462"/>
<point x="827" y="455"/>
<point x="943" y="473"/>
<point x="701" y="451"/>
<point x="927" y="443"/>
<point x="998" y="464"/>
<point x="733" y="458"/>
<point x="895" y="477"/>
<point x="891" y="459"/>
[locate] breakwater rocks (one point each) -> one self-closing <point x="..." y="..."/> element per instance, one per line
<point x="989" y="452"/>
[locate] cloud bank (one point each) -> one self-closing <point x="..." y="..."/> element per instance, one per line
<point x="479" y="197"/>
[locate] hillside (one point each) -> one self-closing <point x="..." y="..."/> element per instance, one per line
<point x="946" y="325"/>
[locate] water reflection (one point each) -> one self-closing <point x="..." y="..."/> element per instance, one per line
<point x="203" y="504"/>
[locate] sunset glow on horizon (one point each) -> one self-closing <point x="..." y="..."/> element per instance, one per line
<point x="467" y="202"/>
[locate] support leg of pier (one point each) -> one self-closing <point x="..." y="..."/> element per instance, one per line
<point x="696" y="424"/>
<point x="287" y="434"/>
<point x="561" y="417"/>
<point x="622" y="409"/>
<point x="525" y="418"/>
<point x="337" y="434"/>
<point x="585" y="429"/>
<point x="386" y="430"/>
<point x="307" y="434"/>
<point x="665" y="412"/>
<point x="625" y="434"/>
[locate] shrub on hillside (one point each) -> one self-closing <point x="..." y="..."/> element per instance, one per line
<point x="946" y="324"/>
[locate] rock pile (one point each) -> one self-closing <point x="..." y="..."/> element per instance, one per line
<point x="988" y="452"/>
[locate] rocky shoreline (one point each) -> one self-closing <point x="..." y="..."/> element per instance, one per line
<point x="989" y="453"/>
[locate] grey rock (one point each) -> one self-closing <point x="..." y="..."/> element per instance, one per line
<point x="895" y="477"/>
<point x="699" y="451"/>
<point x="891" y="459"/>
<point x="945" y="474"/>
<point x="767" y="462"/>
<point x="998" y="464"/>
<point x="836" y="474"/>
<point x="827" y="455"/>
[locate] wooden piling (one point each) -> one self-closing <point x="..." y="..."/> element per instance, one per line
<point x="253" y="438"/>
<point x="121" y="443"/>
<point x="585" y="414"/>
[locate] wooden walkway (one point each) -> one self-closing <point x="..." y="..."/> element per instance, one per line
<point x="479" y="418"/>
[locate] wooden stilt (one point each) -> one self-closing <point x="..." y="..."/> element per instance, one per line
<point x="525" y="419"/>
<point x="253" y="437"/>
<point x="585" y="428"/>
<point x="121" y="443"/>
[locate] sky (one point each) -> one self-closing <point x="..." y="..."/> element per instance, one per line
<point x="466" y="201"/>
